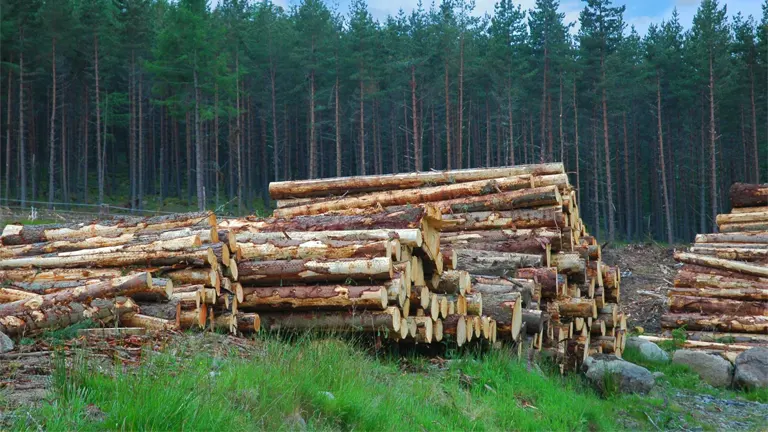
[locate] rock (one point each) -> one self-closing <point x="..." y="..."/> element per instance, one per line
<point x="6" y="344"/>
<point x="713" y="369"/>
<point x="649" y="350"/>
<point x="657" y="375"/>
<point x="751" y="371"/>
<point x="626" y="377"/>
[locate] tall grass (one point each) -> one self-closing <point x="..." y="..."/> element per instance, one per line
<point x="319" y="384"/>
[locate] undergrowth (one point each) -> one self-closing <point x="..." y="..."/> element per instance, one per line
<point x="319" y="384"/>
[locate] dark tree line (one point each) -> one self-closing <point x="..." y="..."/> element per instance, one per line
<point x="155" y="103"/>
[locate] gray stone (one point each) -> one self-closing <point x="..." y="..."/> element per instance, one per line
<point x="649" y="350"/>
<point x="6" y="344"/>
<point x="751" y="371"/>
<point x="713" y="369"/>
<point x="607" y="370"/>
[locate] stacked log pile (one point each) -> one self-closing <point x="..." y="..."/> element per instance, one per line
<point x="722" y="286"/>
<point x="160" y="273"/>
<point x="376" y="271"/>
<point x="514" y="232"/>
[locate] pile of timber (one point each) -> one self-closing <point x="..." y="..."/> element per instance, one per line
<point x="377" y="271"/>
<point x="159" y="273"/>
<point x="722" y="286"/>
<point x="514" y="232"/>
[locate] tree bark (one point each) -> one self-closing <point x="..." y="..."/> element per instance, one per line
<point x="541" y="217"/>
<point x="22" y="145"/>
<point x="29" y="320"/>
<point x="716" y="306"/>
<point x="271" y="250"/>
<point x="448" y="148"/>
<point x="607" y="149"/>
<point x="712" y="145"/>
<point x="722" y="264"/>
<point x="665" y="189"/>
<point x="52" y="131"/>
<point x="494" y="263"/>
<point x="552" y="283"/>
<point x="406" y="237"/>
<point x="271" y="272"/>
<point x="723" y="292"/>
<point x="453" y="282"/>
<point x="361" y="169"/>
<point x="395" y="218"/>
<point x="726" y="323"/>
<point x="388" y="320"/>
<point x="327" y="297"/>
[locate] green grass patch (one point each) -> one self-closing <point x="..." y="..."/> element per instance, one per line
<point x="320" y="384"/>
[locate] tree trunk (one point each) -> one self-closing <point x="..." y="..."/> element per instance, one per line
<point x="51" y="152"/>
<point x="271" y="250"/>
<point x="448" y="148"/>
<point x="608" y="181"/>
<point x="61" y="315"/>
<point x="397" y="218"/>
<point x="525" y="198"/>
<point x="271" y="272"/>
<point x="511" y="125"/>
<point x="545" y="154"/>
<point x="453" y="282"/>
<point x="8" y="142"/>
<point x="748" y="195"/>
<point x="361" y="169"/>
<point x="140" y="147"/>
<point x="522" y="240"/>
<point x="724" y="291"/>
<point x="312" y="139"/>
<point x="460" y="140"/>
<point x="665" y="189"/>
<point x="712" y="146"/>
<point x="22" y="145"/>
<point x="627" y="195"/>
<point x="576" y="143"/>
<point x="338" y="126"/>
<point x="755" y="151"/>
<point x="724" y="264"/>
<point x="388" y="320"/>
<point x="552" y="283"/>
<point x="406" y="237"/>
<point x="541" y="217"/>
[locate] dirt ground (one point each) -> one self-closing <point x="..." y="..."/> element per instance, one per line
<point x="647" y="272"/>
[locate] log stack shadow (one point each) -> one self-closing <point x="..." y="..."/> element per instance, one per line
<point x="721" y="291"/>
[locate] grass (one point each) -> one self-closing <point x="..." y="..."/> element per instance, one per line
<point x="323" y="384"/>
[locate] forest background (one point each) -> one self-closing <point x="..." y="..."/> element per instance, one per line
<point x="166" y="105"/>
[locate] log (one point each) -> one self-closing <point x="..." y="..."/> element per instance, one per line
<point x="396" y="291"/>
<point x="552" y="283"/>
<point x="692" y="278"/>
<point x="111" y="332"/>
<point x="123" y="286"/>
<point x="147" y="322"/>
<point x="571" y="264"/>
<point x="424" y="329"/>
<point x="744" y="294"/>
<point x="198" y="256"/>
<point x="709" y="305"/>
<point x="344" y="185"/>
<point x="272" y="272"/>
<point x="748" y="195"/>
<point x="411" y="196"/>
<point x="597" y="328"/>
<point x="724" y="219"/>
<point x="506" y="309"/>
<point x="398" y="218"/>
<point x="437" y="330"/>
<point x="744" y="227"/>
<point x="718" y="263"/>
<point x="28" y="234"/>
<point x="542" y="217"/>
<point x="187" y="319"/>
<point x="9" y="295"/>
<point x="456" y="326"/>
<point x="195" y="276"/>
<point x="407" y="237"/>
<point x="453" y="282"/>
<point x="577" y="307"/>
<point x="58" y="275"/>
<point x="708" y="336"/>
<point x="524" y="288"/>
<point x="733" y="237"/>
<point x="329" y="297"/>
<point x="726" y="323"/>
<point x="740" y="254"/>
<point x="494" y="263"/>
<point x="387" y="320"/>
<point x="699" y="344"/>
<point x="522" y="241"/>
<point x="420" y="297"/>
<point x="271" y="250"/>
<point x="450" y="258"/>
<point x="525" y="198"/>
<point x="245" y="323"/>
<point x="510" y="329"/>
<point x="474" y="303"/>
<point x="59" y="315"/>
<point x="126" y="242"/>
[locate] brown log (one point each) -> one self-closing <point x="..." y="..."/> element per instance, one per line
<point x="147" y="322"/>
<point x="523" y="287"/>
<point x="608" y="343"/>
<point x="718" y="263"/>
<point x="760" y="227"/>
<point x="443" y="301"/>
<point x="387" y="320"/>
<point x="397" y="218"/>
<point x="543" y="217"/>
<point x="27" y="234"/>
<point x="456" y="326"/>
<point x="474" y="303"/>
<point x="396" y="290"/>
<point x="351" y="185"/>
<point x="577" y="307"/>
<point x="494" y="263"/>
<point x="198" y="256"/>
<point x="740" y="254"/>
<point x="450" y="258"/>
<point x="196" y="318"/>
<point x="734" y="237"/>
<point x="522" y="241"/>
<point x="272" y="272"/>
<point x="453" y="282"/>
<point x="420" y="297"/>
<point x="411" y="196"/>
<point x="570" y="264"/>
<point x="528" y="288"/>
<point x="741" y="210"/>
<point x="407" y="237"/>
<point x="195" y="276"/>
<point x="552" y="283"/>
<point x="597" y="328"/>
<point x="245" y="323"/>
<point x="506" y="309"/>
<point x="724" y="219"/>
<point x="9" y="295"/>
<point x="525" y="198"/>
<point x="318" y="249"/>
<point x="748" y="195"/>
<point x="738" y="324"/>
<point x="328" y="297"/>
<point x="57" y="315"/>
<point x="744" y="294"/>
<point x="688" y="277"/>
<point x="709" y="305"/>
<point x="424" y="329"/>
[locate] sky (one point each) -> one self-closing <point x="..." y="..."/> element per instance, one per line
<point x="639" y="13"/>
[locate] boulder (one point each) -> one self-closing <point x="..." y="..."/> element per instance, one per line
<point x="6" y="344"/>
<point x="608" y="372"/>
<point x="713" y="369"/>
<point x="751" y="369"/>
<point x="649" y="350"/>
